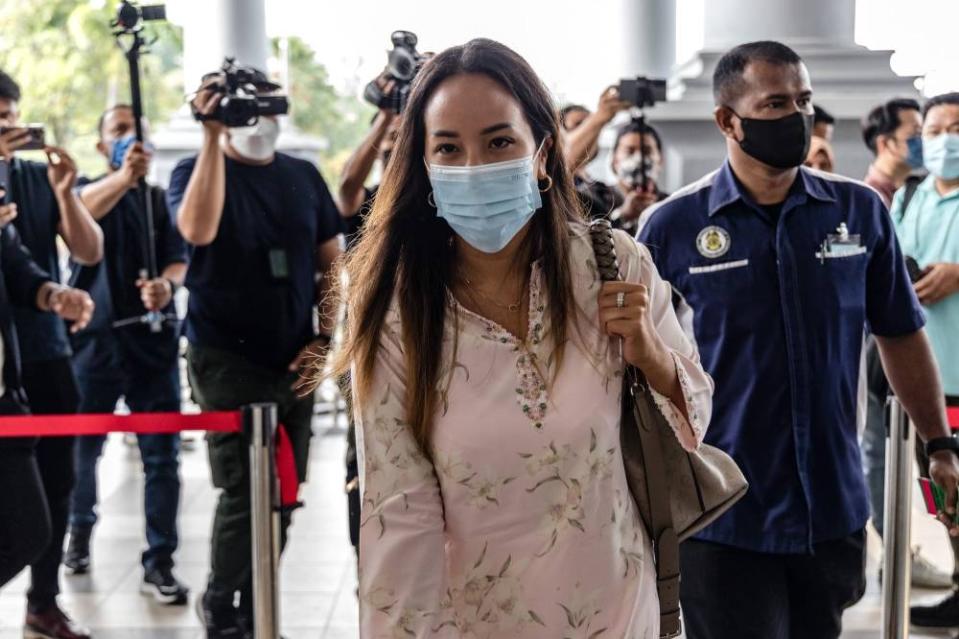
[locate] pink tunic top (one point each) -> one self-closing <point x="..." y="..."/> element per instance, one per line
<point x="523" y="525"/>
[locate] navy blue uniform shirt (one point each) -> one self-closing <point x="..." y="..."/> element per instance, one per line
<point x="253" y="289"/>
<point x="780" y="319"/>
<point x="43" y="336"/>
<point x="112" y="285"/>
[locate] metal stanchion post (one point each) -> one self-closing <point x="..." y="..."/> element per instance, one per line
<point x="896" y="565"/>
<point x="260" y="424"/>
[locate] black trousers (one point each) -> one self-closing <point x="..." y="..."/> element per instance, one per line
<point x="225" y="381"/>
<point x="24" y="517"/>
<point x="51" y="390"/>
<point x="728" y="593"/>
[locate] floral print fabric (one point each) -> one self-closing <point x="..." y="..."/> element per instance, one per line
<point x="522" y="524"/>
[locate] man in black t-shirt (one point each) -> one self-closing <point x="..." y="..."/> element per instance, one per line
<point x="48" y="210"/>
<point x="264" y="233"/>
<point x="130" y="361"/>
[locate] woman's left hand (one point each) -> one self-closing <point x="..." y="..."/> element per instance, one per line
<point x="642" y="345"/>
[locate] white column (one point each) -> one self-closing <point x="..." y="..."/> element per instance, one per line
<point x="215" y="29"/>
<point x="799" y="23"/>
<point x="649" y="37"/>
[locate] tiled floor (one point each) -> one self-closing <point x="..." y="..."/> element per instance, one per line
<point x="318" y="575"/>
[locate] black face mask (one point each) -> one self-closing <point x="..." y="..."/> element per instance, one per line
<point x="782" y="143"/>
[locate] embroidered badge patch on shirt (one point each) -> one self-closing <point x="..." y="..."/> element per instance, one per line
<point x="713" y="242"/>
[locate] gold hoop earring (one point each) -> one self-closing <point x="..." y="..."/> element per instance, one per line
<point x="548" y="186"/>
<point x="430" y="200"/>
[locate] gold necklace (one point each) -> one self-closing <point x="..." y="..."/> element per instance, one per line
<point x="512" y="308"/>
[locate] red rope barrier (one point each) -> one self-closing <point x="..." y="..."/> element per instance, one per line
<point x="101" y="424"/>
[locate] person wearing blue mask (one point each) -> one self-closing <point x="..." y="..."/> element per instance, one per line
<point x="130" y="361"/>
<point x="485" y="355"/>
<point x="893" y="132"/>
<point x="927" y="223"/>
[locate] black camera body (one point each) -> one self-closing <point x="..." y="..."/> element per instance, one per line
<point x="241" y="105"/>
<point x="402" y="65"/>
<point x="643" y="92"/>
<point x="912" y="267"/>
<point x="130" y="16"/>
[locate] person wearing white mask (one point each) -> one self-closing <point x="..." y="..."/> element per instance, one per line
<point x="263" y="233"/>
<point x="927" y="223"/>
<point x="638" y="149"/>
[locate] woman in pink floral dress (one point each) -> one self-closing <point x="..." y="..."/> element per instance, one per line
<point x="487" y="362"/>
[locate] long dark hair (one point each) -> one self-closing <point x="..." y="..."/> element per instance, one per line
<point x="406" y="252"/>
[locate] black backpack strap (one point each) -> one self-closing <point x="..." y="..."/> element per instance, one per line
<point x="912" y="183"/>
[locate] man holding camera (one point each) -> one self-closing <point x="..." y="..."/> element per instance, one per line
<point x="355" y="199"/>
<point x="926" y="219"/>
<point x="582" y="129"/>
<point x="636" y="160"/>
<point x="131" y="360"/>
<point x="47" y="207"/>
<point x="264" y="234"/>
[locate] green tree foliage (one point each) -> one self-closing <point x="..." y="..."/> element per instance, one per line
<point x="69" y="67"/>
<point x="319" y="109"/>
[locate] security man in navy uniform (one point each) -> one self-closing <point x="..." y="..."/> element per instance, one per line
<point x="784" y="268"/>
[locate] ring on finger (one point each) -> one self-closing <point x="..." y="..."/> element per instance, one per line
<point x="620" y="299"/>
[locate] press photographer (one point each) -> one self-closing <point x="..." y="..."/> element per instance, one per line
<point x="263" y="232"/>
<point x="120" y="355"/>
<point x="636" y="156"/>
<point x="46" y="208"/>
<point x="354" y="198"/>
<point x="388" y="92"/>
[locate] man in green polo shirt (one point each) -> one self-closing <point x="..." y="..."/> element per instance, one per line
<point x="927" y="224"/>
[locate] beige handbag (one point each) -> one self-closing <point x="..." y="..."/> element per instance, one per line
<point x="678" y="493"/>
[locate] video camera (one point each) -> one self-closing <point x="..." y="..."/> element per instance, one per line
<point x="129" y="16"/>
<point x="403" y="63"/>
<point x="643" y="92"/>
<point x="241" y="104"/>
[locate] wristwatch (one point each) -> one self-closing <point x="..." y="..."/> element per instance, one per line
<point x="942" y="443"/>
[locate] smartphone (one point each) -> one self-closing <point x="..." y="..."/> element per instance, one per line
<point x="912" y="267"/>
<point x="37" y="136"/>
<point x="934" y="497"/>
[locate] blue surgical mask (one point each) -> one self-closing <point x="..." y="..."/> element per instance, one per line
<point x="120" y="147"/>
<point x="914" y="152"/>
<point x="487" y="205"/>
<point x="941" y="156"/>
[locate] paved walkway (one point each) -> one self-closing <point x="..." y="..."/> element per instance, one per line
<point x="318" y="574"/>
